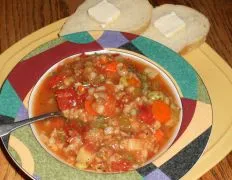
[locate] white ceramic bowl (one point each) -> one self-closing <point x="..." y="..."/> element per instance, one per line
<point x="134" y="57"/>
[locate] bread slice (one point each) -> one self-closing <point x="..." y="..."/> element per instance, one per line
<point x="135" y="16"/>
<point x="195" y="31"/>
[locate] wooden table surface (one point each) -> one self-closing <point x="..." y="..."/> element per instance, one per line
<point x="19" y="18"/>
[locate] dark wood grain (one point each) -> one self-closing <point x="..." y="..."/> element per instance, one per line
<point x="19" y="18"/>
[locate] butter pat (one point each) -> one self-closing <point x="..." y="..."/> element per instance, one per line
<point x="169" y="24"/>
<point x="104" y="12"/>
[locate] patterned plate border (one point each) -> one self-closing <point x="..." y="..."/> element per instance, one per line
<point x="195" y="101"/>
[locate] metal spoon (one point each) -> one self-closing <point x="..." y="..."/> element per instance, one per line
<point x="8" y="125"/>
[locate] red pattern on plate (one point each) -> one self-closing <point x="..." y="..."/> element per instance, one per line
<point x="129" y="36"/>
<point x="189" y="107"/>
<point x="32" y="69"/>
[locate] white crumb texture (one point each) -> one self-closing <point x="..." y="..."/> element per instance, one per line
<point x="129" y="20"/>
<point x="196" y="27"/>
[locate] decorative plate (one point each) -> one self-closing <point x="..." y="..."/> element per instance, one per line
<point x="187" y="148"/>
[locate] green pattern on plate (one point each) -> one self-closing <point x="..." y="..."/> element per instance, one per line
<point x="47" y="167"/>
<point x="10" y="102"/>
<point x="182" y="72"/>
<point x="202" y="92"/>
<point x="15" y="155"/>
<point x="82" y="37"/>
<point x="44" y="47"/>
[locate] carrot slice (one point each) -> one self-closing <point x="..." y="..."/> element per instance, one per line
<point x="159" y="135"/>
<point x="134" y="81"/>
<point x="81" y="89"/>
<point x="161" y="111"/>
<point x="88" y="107"/>
<point x="111" y="67"/>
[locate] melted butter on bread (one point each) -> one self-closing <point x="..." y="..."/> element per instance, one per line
<point x="104" y="12"/>
<point x="169" y="24"/>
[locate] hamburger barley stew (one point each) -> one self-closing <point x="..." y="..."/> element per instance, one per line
<point x="118" y="113"/>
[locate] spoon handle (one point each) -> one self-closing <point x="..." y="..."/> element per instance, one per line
<point x="7" y="125"/>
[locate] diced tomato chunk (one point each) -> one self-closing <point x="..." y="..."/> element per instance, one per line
<point x="150" y="155"/>
<point x="81" y="99"/>
<point x="110" y="89"/>
<point x="66" y="98"/>
<point x="145" y="114"/>
<point x="110" y="106"/>
<point x="72" y="133"/>
<point x="90" y="146"/>
<point x="71" y="125"/>
<point x="84" y="130"/>
<point x="56" y="79"/>
<point x="102" y="60"/>
<point x="122" y="165"/>
<point x="119" y="104"/>
<point x="72" y="128"/>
